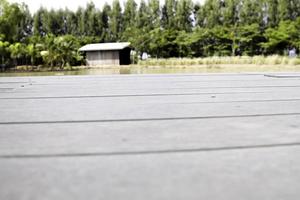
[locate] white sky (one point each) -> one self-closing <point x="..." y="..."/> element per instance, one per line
<point x="71" y="4"/>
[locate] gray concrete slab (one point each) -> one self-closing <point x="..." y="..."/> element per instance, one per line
<point x="271" y="173"/>
<point x="146" y="136"/>
<point x="83" y="110"/>
<point x="209" y="136"/>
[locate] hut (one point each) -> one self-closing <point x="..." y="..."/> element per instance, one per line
<point x="107" y="53"/>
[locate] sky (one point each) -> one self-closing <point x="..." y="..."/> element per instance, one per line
<point x="70" y="4"/>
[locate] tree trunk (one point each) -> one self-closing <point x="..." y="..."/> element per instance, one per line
<point x="62" y="64"/>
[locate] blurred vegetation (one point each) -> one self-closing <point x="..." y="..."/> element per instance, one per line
<point x="217" y="60"/>
<point x="178" y="28"/>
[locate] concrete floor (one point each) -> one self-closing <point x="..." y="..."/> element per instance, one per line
<point x="209" y="136"/>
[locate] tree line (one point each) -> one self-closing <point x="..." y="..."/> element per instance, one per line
<point x="176" y="28"/>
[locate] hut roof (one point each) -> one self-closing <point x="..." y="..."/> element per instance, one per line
<point x="105" y="46"/>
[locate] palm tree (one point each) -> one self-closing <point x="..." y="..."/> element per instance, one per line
<point x="16" y="51"/>
<point x="67" y="49"/>
<point x="3" y="51"/>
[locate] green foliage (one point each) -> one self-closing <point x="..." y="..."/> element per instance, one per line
<point x="116" y="20"/>
<point x="142" y="18"/>
<point x="4" y="52"/>
<point x="129" y="14"/>
<point x="40" y="27"/>
<point x="154" y="14"/>
<point x="251" y="12"/>
<point x="231" y="12"/>
<point x="60" y="51"/>
<point x="211" y="13"/>
<point x="169" y="14"/>
<point x="272" y="13"/>
<point x="286" y="35"/>
<point x="184" y="13"/>
<point x="12" y="21"/>
<point x="175" y="28"/>
<point x="249" y="38"/>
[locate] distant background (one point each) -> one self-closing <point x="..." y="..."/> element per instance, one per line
<point x="167" y="29"/>
<point x="34" y="5"/>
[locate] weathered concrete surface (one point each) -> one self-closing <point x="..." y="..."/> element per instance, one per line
<point x="230" y="136"/>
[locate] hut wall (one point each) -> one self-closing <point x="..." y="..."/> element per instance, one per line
<point x="103" y="58"/>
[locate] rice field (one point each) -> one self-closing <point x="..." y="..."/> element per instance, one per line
<point x="212" y="61"/>
<point x="238" y="64"/>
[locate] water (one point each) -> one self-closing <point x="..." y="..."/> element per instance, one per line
<point x="158" y="70"/>
<point x="108" y="71"/>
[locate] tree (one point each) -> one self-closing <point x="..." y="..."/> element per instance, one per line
<point x="4" y="52"/>
<point x="295" y="5"/>
<point x="184" y="12"/>
<point x="105" y="21"/>
<point x="17" y="51"/>
<point x="142" y="18"/>
<point x="55" y="22"/>
<point x="33" y="49"/>
<point x="281" y="38"/>
<point x="71" y="23"/>
<point x="81" y="22"/>
<point x="272" y="13"/>
<point x="129" y="15"/>
<point x="66" y="50"/>
<point x="217" y="41"/>
<point x="210" y="14"/>
<point x="296" y="40"/>
<point x="154" y="14"/>
<point x="230" y="13"/>
<point x="49" y="53"/>
<point x="178" y="28"/>
<point x="139" y="39"/>
<point x="250" y="37"/>
<point x="163" y="43"/>
<point x="200" y="16"/>
<point x="25" y="24"/>
<point x="197" y="42"/>
<point x="92" y="18"/>
<point x="61" y="51"/>
<point x="116" y="21"/>
<point x="10" y="20"/>
<point x="184" y="44"/>
<point x="285" y="10"/>
<point x="169" y="14"/>
<point x="39" y="22"/>
<point x="251" y="12"/>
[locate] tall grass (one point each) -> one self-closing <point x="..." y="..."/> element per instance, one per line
<point x="237" y="60"/>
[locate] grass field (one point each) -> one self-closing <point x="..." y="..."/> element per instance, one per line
<point x="176" y="65"/>
<point x="211" y="61"/>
